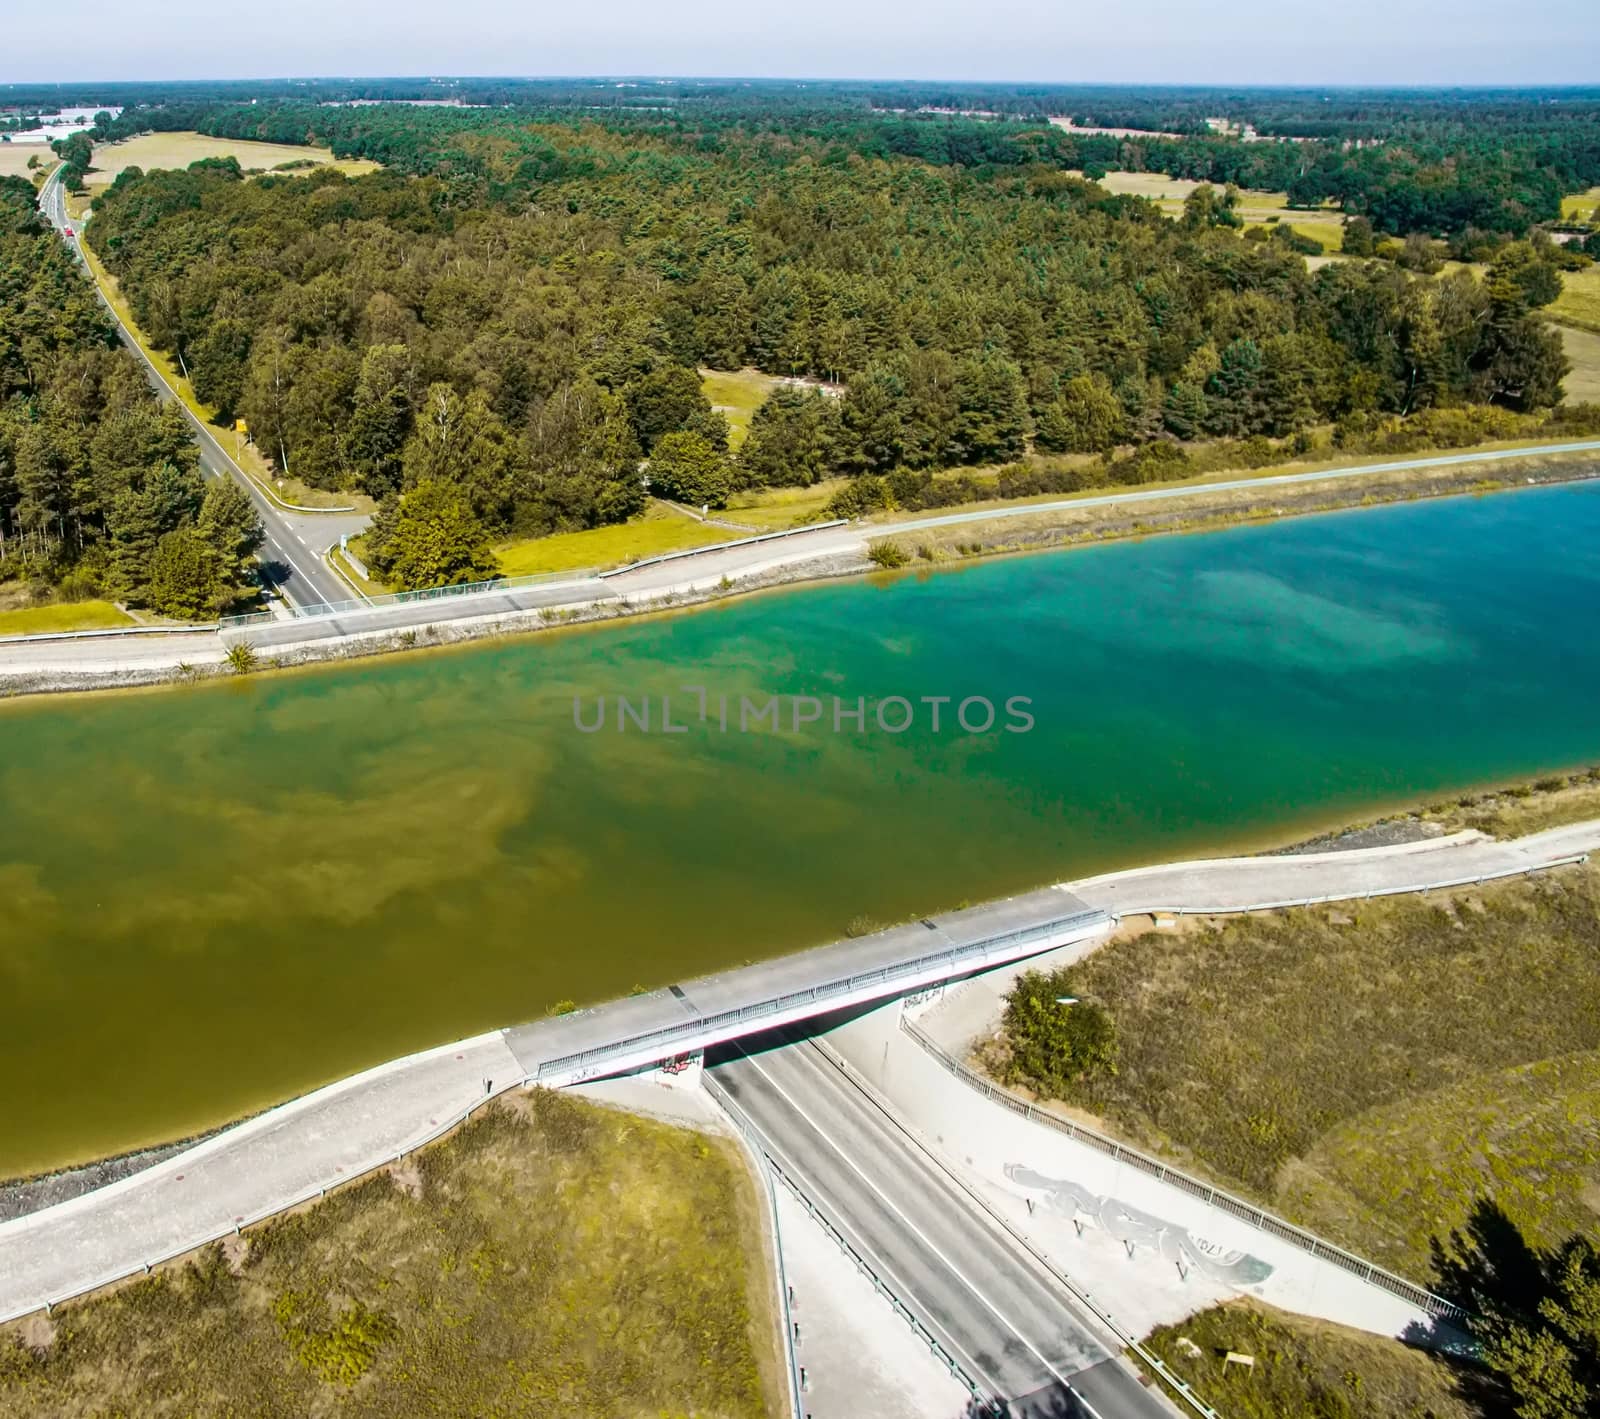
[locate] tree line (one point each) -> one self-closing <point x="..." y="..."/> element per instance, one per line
<point x="100" y="489"/>
<point x="519" y="323"/>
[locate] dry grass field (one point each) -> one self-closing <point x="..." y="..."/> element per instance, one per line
<point x="14" y="158"/>
<point x="1373" y="1069"/>
<point x="1309" y="1369"/>
<point x="552" y="1257"/>
<point x="178" y="150"/>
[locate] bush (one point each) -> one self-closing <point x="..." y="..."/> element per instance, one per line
<point x="887" y="554"/>
<point x="1057" y="1038"/>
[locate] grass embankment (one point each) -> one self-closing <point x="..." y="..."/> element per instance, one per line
<point x="551" y="1257"/>
<point x="737" y="394"/>
<point x="248" y="457"/>
<point x="1372" y="1069"/>
<point x="778" y="509"/>
<point x="1208" y="510"/>
<point x="63" y="616"/>
<point x="656" y="530"/>
<point x="1309" y="1369"/>
<point x="178" y="150"/>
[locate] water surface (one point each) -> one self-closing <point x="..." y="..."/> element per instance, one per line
<point x="214" y="898"/>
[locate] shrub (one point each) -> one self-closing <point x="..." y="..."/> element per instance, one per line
<point x="1057" y="1038"/>
<point x="887" y="554"/>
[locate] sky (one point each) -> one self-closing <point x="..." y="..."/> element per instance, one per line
<point x="1419" y="42"/>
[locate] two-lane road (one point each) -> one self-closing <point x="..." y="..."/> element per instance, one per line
<point x="1008" y="1323"/>
<point x="295" y="544"/>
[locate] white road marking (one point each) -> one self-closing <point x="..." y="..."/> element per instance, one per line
<point x="910" y="1225"/>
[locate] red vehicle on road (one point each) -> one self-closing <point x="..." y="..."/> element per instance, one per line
<point x="66" y="231"/>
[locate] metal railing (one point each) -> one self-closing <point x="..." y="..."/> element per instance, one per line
<point x="669" y="1037"/>
<point x="724" y="546"/>
<point x="406" y="598"/>
<point x="1085" y="1298"/>
<point x="1403" y="889"/>
<point x="1247" y="1212"/>
<point x="759" y="1142"/>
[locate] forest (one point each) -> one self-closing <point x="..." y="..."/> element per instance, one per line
<point x="100" y="489"/>
<point x="1494" y="162"/>
<point x="505" y="325"/>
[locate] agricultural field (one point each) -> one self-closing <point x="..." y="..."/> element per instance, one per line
<point x="1579" y="301"/>
<point x="1582" y="207"/>
<point x="1313" y="1060"/>
<point x="737" y="394"/>
<point x="656" y="530"/>
<point x="178" y="150"/>
<point x="14" y="159"/>
<point x="1583" y="349"/>
<point x="552" y="1257"/>
<point x="60" y="616"/>
<point x="1310" y="1369"/>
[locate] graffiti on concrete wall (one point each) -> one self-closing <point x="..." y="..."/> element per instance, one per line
<point x="1135" y="1227"/>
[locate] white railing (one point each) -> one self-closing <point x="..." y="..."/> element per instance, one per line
<point x="672" y="1039"/>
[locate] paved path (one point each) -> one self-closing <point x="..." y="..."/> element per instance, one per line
<point x="687" y="575"/>
<point x="1245" y="883"/>
<point x="284" y="1156"/>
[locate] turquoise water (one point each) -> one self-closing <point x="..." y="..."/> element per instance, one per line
<point x="216" y="897"/>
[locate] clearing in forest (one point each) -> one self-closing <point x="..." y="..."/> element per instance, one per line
<point x="178" y="150"/>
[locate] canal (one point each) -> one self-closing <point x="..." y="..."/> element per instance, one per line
<point x="217" y="897"/>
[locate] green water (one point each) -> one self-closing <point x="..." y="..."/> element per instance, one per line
<point x="215" y="898"/>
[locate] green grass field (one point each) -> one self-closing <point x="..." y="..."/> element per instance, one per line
<point x="1579" y="301"/>
<point x="1310" y="1369"/>
<point x="656" y="530"/>
<point x="1581" y="207"/>
<point x="552" y="1257"/>
<point x="1371" y="1069"/>
<point x="737" y="394"/>
<point x="778" y="509"/>
<point x="63" y="616"/>
<point x="1583" y="350"/>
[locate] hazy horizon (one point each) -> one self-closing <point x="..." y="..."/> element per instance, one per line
<point x="1475" y="43"/>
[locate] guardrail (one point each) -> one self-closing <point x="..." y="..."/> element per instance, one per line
<point x="668" y="1037"/>
<point x="406" y="598"/>
<point x="1246" y="1212"/>
<point x="723" y="546"/>
<point x="110" y="632"/>
<point x="1085" y="1298"/>
<point x="759" y="1142"/>
<point x="1472" y="879"/>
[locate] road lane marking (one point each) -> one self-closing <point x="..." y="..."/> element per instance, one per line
<point x="909" y="1224"/>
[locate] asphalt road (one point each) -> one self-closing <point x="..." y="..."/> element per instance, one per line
<point x="293" y="551"/>
<point x="1010" y="1325"/>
